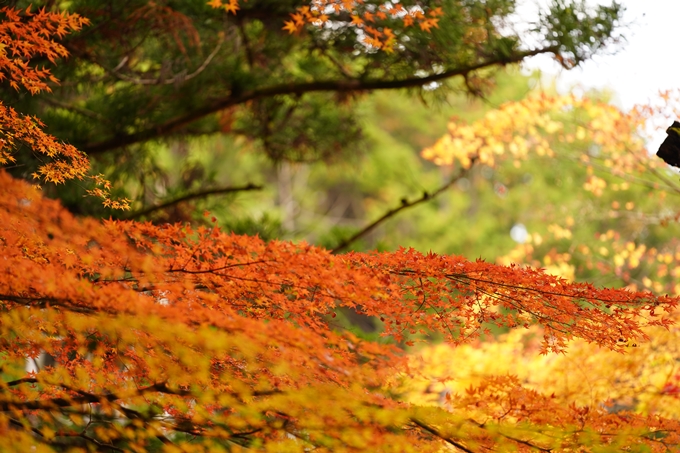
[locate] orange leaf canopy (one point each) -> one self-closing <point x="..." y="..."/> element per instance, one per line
<point x="173" y="331"/>
<point x="25" y="35"/>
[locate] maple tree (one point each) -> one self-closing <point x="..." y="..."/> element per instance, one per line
<point x="172" y="337"/>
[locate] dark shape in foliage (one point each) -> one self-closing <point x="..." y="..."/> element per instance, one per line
<point x="669" y="150"/>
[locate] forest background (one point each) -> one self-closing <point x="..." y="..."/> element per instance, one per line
<point x="560" y="183"/>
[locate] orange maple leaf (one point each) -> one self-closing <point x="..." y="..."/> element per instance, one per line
<point x="427" y="24"/>
<point x="298" y="19"/>
<point x="290" y="27"/>
<point x="373" y="31"/>
<point x="435" y="12"/>
<point x="232" y="7"/>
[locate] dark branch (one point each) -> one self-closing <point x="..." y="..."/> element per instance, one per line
<point x="584" y="294"/>
<point x="192" y="196"/>
<point x="217" y="269"/>
<point x="84" y="397"/>
<point x="299" y="89"/>
<point x="102" y="446"/>
<point x="405" y="204"/>
<point x="514" y="439"/>
<point x="20" y="425"/>
<point x="436" y="433"/>
<point x="46" y="301"/>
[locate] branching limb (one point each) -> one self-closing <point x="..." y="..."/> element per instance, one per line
<point x="101" y="445"/>
<point x="340" y="86"/>
<point x="405" y="204"/>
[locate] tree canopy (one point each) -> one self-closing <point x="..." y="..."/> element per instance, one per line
<point x="143" y="72"/>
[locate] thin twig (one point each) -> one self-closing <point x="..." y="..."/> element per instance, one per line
<point x="184" y="270"/>
<point x="97" y="443"/>
<point x="436" y="433"/>
<point x="192" y="196"/>
<point x="74" y="108"/>
<point x="178" y="78"/>
<point x="463" y="278"/>
<point x="514" y="439"/>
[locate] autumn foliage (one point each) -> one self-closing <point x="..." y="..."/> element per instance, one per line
<point x="182" y="338"/>
<point x="23" y="36"/>
<point x="174" y="334"/>
<point x="376" y="22"/>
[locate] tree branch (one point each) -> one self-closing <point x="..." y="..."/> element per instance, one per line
<point x="514" y="439"/>
<point x="405" y="204"/>
<point x="83" y="398"/>
<point x="298" y="89"/>
<point x="192" y="196"/>
<point x="160" y="80"/>
<point x="74" y="108"/>
<point x="436" y="433"/>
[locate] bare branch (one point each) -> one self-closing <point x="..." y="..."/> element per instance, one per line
<point x="74" y="108"/>
<point x="405" y="204"/>
<point x="192" y="196"/>
<point x="177" y="78"/>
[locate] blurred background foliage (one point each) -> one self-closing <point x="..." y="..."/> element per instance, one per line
<point x="174" y="99"/>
